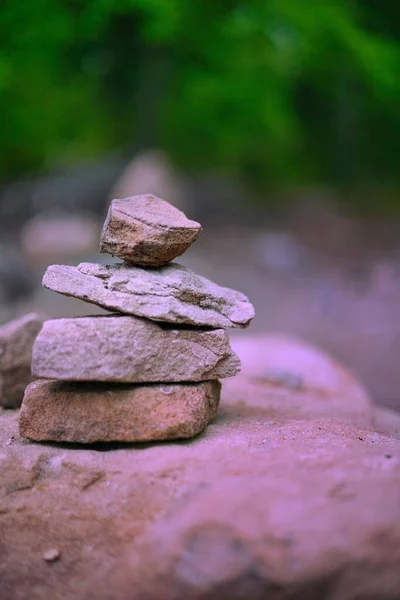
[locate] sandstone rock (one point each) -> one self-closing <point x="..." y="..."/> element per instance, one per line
<point x="51" y="555"/>
<point x="271" y="501"/>
<point x="281" y="374"/>
<point x="279" y="535"/>
<point x="87" y="413"/>
<point x="172" y="293"/>
<point x="16" y="341"/>
<point x="299" y="509"/>
<point x="131" y="350"/>
<point x="147" y="231"/>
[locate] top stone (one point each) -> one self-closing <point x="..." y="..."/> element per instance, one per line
<point x="147" y="231"/>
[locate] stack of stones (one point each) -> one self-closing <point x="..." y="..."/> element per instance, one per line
<point x="150" y="371"/>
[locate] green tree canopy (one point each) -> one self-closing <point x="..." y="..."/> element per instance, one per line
<point x="269" y="90"/>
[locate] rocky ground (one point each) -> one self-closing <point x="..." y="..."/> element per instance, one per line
<point x="293" y="492"/>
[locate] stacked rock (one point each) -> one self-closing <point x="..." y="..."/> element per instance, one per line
<point x="151" y="371"/>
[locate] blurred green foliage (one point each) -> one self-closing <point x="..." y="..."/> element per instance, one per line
<point x="271" y="90"/>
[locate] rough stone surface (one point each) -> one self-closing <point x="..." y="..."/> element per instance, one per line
<point x="253" y="505"/>
<point x="16" y="341"/>
<point x="267" y="503"/>
<point x="130" y="350"/>
<point x="87" y="413"/>
<point x="147" y="231"/>
<point x="281" y="374"/>
<point x="173" y="293"/>
<point x="214" y="547"/>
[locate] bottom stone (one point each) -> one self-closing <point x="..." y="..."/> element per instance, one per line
<point x="100" y="412"/>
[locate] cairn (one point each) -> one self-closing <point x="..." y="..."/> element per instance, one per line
<point x="149" y="371"/>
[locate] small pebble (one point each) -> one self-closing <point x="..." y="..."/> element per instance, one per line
<point x="166" y="389"/>
<point x="52" y="555"/>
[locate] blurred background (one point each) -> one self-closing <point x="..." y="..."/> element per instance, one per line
<point x="276" y="124"/>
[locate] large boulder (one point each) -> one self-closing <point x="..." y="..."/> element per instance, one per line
<point x="282" y="375"/>
<point x="276" y="499"/>
<point x="287" y="533"/>
<point x="16" y="343"/>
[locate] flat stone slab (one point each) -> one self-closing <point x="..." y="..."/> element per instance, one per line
<point x="16" y="342"/>
<point x="87" y="413"/>
<point x="172" y="293"/>
<point x="130" y="350"/>
<point x="146" y="230"/>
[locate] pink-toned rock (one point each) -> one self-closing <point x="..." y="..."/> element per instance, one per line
<point x="173" y="293"/>
<point x="87" y="413"/>
<point x="130" y="350"/>
<point x="255" y="503"/>
<point x="271" y="501"/>
<point x="147" y="231"/>
<point x="51" y="555"/>
<point x="282" y="375"/>
<point x="283" y="535"/>
<point x="16" y="342"/>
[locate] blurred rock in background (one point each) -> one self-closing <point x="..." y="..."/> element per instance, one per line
<point x="16" y="280"/>
<point x="49" y="237"/>
<point x="151" y="172"/>
<point x="80" y="190"/>
<point x="279" y="251"/>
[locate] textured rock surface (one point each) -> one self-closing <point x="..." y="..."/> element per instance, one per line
<point x="265" y="504"/>
<point x="282" y="374"/>
<point x="87" y="413"/>
<point x="128" y="349"/>
<point x="16" y="341"/>
<point x="173" y="293"/>
<point x="253" y="505"/>
<point x="147" y="231"/>
<point x="277" y="535"/>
